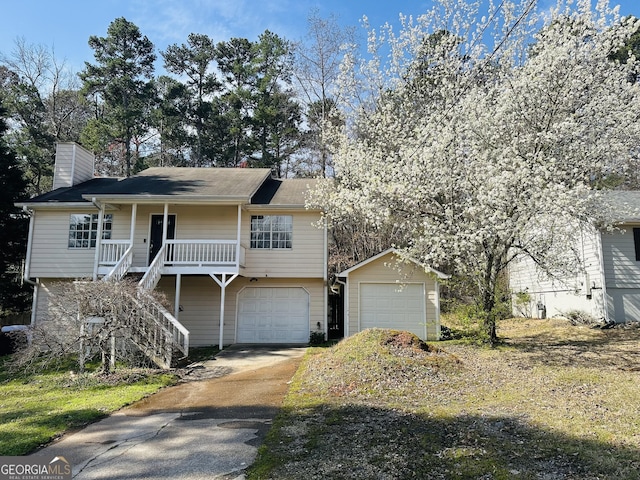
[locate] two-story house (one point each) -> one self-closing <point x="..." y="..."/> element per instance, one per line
<point x="236" y="252"/>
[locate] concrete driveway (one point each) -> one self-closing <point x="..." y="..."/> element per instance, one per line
<point x="207" y="428"/>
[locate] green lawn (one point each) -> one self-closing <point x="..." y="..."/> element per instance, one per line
<point x="34" y="409"/>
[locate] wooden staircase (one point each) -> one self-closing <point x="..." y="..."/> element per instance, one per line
<point x="152" y="328"/>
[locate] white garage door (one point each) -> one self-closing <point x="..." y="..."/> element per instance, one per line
<point x="389" y="305"/>
<point x="273" y="315"/>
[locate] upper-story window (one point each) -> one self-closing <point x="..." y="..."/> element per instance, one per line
<point x="83" y="229"/>
<point x="271" y="231"/>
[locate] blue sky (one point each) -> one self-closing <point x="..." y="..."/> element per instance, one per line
<point x="66" y="25"/>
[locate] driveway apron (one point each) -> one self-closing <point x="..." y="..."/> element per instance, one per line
<point x="206" y="428"/>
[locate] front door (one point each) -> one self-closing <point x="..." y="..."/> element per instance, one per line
<point x="155" y="238"/>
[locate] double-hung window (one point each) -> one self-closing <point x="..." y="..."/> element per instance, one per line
<point x="271" y="231"/>
<point x="83" y="229"/>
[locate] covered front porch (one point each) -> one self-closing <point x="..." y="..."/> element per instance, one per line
<point x="156" y="247"/>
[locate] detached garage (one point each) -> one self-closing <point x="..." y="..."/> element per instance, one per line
<point x="386" y="292"/>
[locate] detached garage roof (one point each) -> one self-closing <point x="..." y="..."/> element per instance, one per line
<point x="395" y="251"/>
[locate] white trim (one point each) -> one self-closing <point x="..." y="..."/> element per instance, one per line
<point x="438" y="331"/>
<point x="603" y="277"/>
<point x="134" y="213"/>
<point x="150" y="223"/>
<point x="98" y="247"/>
<point x="73" y="165"/>
<point x="34" y="302"/>
<point x="396" y="252"/>
<point x="239" y="237"/>
<point x="325" y="261"/>
<point x="27" y="263"/>
<point x="176" y="304"/>
<point x="223" y="283"/>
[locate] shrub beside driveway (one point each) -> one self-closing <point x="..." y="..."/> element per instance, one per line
<point x="554" y="401"/>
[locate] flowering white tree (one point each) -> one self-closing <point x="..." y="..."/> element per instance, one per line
<point x="482" y="154"/>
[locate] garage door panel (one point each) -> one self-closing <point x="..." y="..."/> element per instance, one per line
<point x="389" y="305"/>
<point x="273" y="315"/>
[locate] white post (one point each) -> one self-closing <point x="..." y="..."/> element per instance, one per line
<point x="96" y="260"/>
<point x="222" y="295"/>
<point x="223" y="285"/>
<point x="325" y="262"/>
<point x="134" y="210"/>
<point x="238" y="240"/>
<point x="165" y="221"/>
<point x="176" y="308"/>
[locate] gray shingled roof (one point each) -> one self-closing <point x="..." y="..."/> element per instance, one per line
<point x="233" y="184"/>
<point x="194" y="182"/>
<point x="290" y="192"/>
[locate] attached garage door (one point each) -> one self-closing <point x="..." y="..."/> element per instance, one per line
<point x="273" y="315"/>
<point x="389" y="305"/>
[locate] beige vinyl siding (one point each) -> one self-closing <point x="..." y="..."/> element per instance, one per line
<point x="384" y="270"/>
<point x="580" y="291"/>
<point x="50" y="252"/>
<point x="623" y="305"/>
<point x="47" y="288"/>
<point x="192" y="223"/>
<point x="74" y="165"/>
<point x="200" y="300"/>
<point x="305" y="258"/>
<point x="620" y="265"/>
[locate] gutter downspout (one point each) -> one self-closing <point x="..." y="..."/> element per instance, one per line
<point x="96" y="259"/>
<point x="27" y="265"/>
<point x="603" y="277"/>
<point x="325" y="280"/>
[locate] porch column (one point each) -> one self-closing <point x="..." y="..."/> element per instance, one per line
<point x="96" y="260"/>
<point x="176" y="307"/>
<point x="134" y="211"/>
<point x="238" y="238"/>
<point x="223" y="281"/>
<point x="165" y="221"/>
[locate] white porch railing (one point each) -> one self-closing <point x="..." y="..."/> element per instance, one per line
<point x="201" y="252"/>
<point x="152" y="277"/>
<point x="122" y="267"/>
<point x="178" y="335"/>
<point x="112" y="251"/>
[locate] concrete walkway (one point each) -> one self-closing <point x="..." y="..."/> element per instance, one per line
<point x="207" y="428"/>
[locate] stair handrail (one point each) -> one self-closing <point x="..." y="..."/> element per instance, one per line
<point x="178" y="333"/>
<point x="153" y="274"/>
<point x="121" y="268"/>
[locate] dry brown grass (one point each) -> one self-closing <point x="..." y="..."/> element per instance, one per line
<point x="554" y="401"/>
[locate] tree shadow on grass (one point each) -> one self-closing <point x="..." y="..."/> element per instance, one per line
<point x="357" y="442"/>
<point x="617" y="348"/>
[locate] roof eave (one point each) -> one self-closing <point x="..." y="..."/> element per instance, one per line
<point x="54" y="205"/>
<point x="182" y="199"/>
<point x="440" y="275"/>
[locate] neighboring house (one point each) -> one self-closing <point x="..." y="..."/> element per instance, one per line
<point x="385" y="291"/>
<point x="235" y="250"/>
<point x="607" y="283"/>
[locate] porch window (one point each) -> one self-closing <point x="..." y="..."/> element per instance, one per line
<point x="83" y="229"/>
<point x="271" y="231"/>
